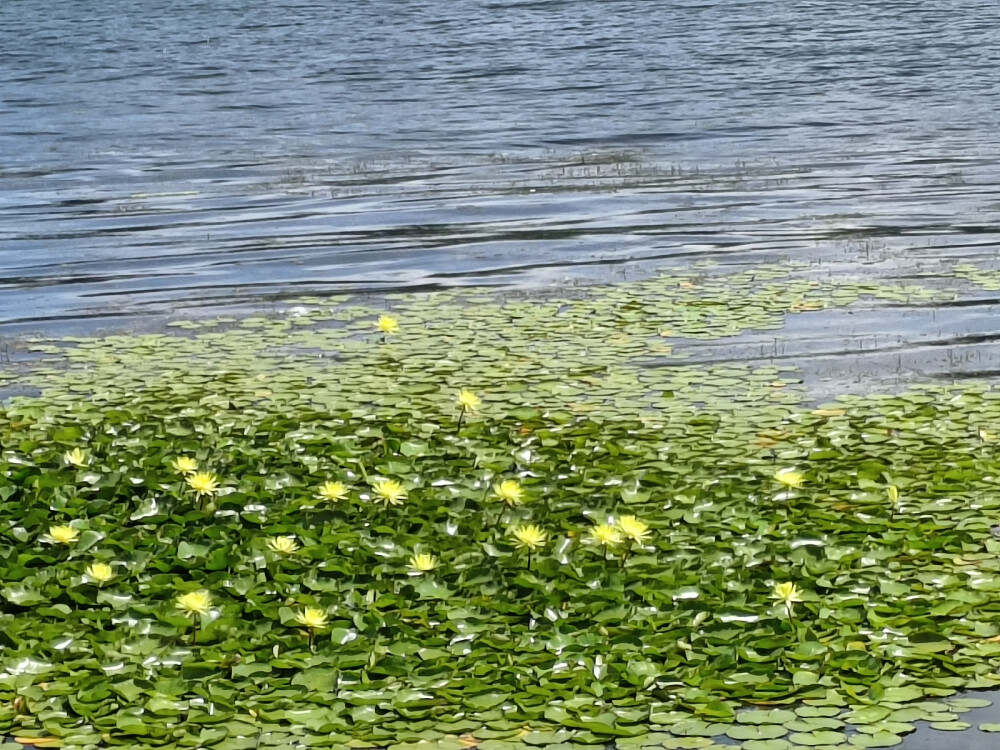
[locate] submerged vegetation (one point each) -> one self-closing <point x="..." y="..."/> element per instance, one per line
<point x="491" y="522"/>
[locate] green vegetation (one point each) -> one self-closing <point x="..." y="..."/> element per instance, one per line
<point x="505" y="522"/>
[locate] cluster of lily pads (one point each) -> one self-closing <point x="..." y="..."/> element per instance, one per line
<point x="609" y="534"/>
<point x="291" y="532"/>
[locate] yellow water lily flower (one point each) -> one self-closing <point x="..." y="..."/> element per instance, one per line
<point x="203" y="483"/>
<point x="423" y="563"/>
<point x="469" y="401"/>
<point x="76" y="457"/>
<point x="283" y="545"/>
<point x="332" y="491"/>
<point x="634" y="529"/>
<point x="829" y="412"/>
<point x="893" y="492"/>
<point x="389" y="491"/>
<point x="387" y="324"/>
<point x="790" y="478"/>
<point x="530" y="537"/>
<point x="312" y="618"/>
<point x="100" y="572"/>
<point x="184" y="465"/>
<point x="510" y="491"/>
<point x="61" y="535"/>
<point x="787" y="593"/>
<point x="606" y="534"/>
<point x="194" y="603"/>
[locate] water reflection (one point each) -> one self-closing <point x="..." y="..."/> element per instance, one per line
<point x="227" y="154"/>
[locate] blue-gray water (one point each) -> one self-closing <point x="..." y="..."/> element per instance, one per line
<point x="159" y="156"/>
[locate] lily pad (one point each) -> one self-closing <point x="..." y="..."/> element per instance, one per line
<point x="819" y="737"/>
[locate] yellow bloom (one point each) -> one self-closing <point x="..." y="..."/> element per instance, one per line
<point x="184" y="465"/>
<point x="893" y="492"/>
<point x="76" y="457"/>
<point x="389" y="491"/>
<point x="283" y="545"/>
<point x="787" y="593"/>
<point x="423" y="563"/>
<point x="194" y="603"/>
<point x="829" y="412"/>
<point x="61" y="535"/>
<point x="333" y="491"/>
<point x="529" y="537"/>
<point x="634" y="529"/>
<point x="469" y="401"/>
<point x="203" y="483"/>
<point x="606" y="534"/>
<point x="387" y="324"/>
<point x="312" y="617"/>
<point x="510" y="492"/>
<point x="790" y="478"/>
<point x="100" y="572"/>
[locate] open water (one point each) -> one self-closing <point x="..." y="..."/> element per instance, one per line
<point x="157" y="157"/>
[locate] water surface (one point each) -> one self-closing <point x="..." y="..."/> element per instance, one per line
<point x="156" y="158"/>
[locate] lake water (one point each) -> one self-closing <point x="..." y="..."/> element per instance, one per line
<point x="161" y="159"/>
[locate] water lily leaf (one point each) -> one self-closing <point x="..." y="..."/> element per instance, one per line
<point x="686" y="743"/>
<point x="772" y="716"/>
<point x="778" y="744"/>
<point x="903" y="694"/>
<point x="187" y="550"/>
<point x="817" y="711"/>
<point x="22" y="595"/>
<point x="88" y="539"/>
<point x="697" y="728"/>
<point x="813" y="723"/>
<point x="867" y="715"/>
<point x="548" y="738"/>
<point x="756" y="731"/>
<point x="165" y="706"/>
<point x="895" y="727"/>
<point x="428" y="588"/>
<point x="929" y="642"/>
<point x="485" y="700"/>
<point x="970" y="703"/>
<point x="317" y="679"/>
<point x="950" y="726"/>
<point x="39" y="741"/>
<point x="879" y="739"/>
<point x="819" y="737"/>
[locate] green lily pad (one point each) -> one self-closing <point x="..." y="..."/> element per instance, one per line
<point x="819" y="737"/>
<point x="969" y="703"/>
<point x="756" y="731"/>
<point x="950" y="726"/>
<point x="773" y="716"/>
<point x="686" y="743"/>
<point x="878" y="739"/>
<point x="867" y="715"/>
<point x="767" y="745"/>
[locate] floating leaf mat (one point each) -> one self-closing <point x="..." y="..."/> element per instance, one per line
<point x="286" y="532"/>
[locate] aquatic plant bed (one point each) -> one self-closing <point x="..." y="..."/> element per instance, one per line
<point x="475" y="521"/>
